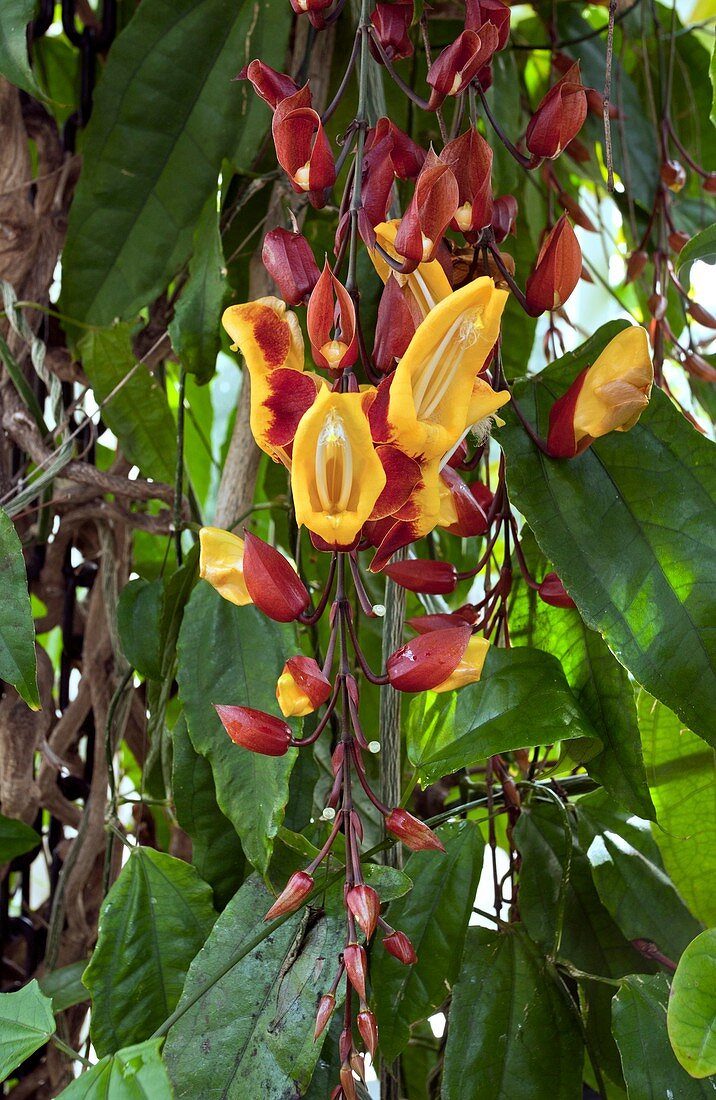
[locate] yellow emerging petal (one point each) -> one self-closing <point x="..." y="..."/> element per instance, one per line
<point x="616" y="387"/>
<point x="336" y="475"/>
<point x="294" y="702"/>
<point x="221" y="563"/>
<point x="470" y="668"/>
<point x="431" y="395"/>
<point x="428" y="284"/>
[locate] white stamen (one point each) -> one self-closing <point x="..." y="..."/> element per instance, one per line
<point x="334" y="459"/>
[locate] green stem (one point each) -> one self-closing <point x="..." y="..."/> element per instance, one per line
<point x="73" y="1054"/>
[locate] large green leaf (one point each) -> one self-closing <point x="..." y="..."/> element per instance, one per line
<point x="629" y="527"/>
<point x="138" y="413"/>
<point x="16" y="838"/>
<point x="216" y="849"/>
<point x="691" y="1016"/>
<point x="64" y="986"/>
<point x="135" y="1073"/>
<point x="251" y="1034"/>
<point x="167" y="111"/>
<point x="17" y="636"/>
<point x="234" y="655"/>
<point x="435" y="916"/>
<point x="511" y="1034"/>
<point x="682" y="776"/>
<point x="138" y="622"/>
<point x="14" y="62"/>
<point x="26" y="1023"/>
<point x="522" y="700"/>
<point x="152" y="922"/>
<point x="651" y="1071"/>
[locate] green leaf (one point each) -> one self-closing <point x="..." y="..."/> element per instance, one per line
<point x="682" y="776"/>
<point x="138" y="414"/>
<point x="650" y="1069"/>
<point x="138" y="620"/>
<point x="522" y="700"/>
<point x="152" y="922"/>
<point x="195" y="329"/>
<point x="700" y="247"/>
<point x="16" y="838"/>
<point x="18" y="665"/>
<point x="511" y="1034"/>
<point x="251" y="1034"/>
<point x="14" y="61"/>
<point x="65" y="985"/>
<point x="691" y="1016"/>
<point x="167" y="111"/>
<point x="234" y="655"/>
<point x="135" y="1073"/>
<point x="629" y="527"/>
<point x="216" y="849"/>
<point x="639" y="895"/>
<point x="26" y="1023"/>
<point x="435" y="915"/>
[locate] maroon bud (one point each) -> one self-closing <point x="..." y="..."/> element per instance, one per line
<point x="356" y="967"/>
<point x="701" y="315"/>
<point x="298" y="886"/>
<point x="428" y="660"/>
<point x="636" y="264"/>
<point x="460" y="511"/>
<point x="289" y="260"/>
<point x="678" y="240"/>
<point x="272" y="86"/>
<point x="559" y="117"/>
<point x="415" y="834"/>
<point x="357" y="1062"/>
<point x="709" y="184"/>
<point x="479" y="12"/>
<point x="673" y="175"/>
<point x="407" y="157"/>
<point x="272" y="582"/>
<point x="657" y="306"/>
<point x="434" y="578"/>
<point x="429" y="212"/>
<point x="460" y="62"/>
<point x="504" y="215"/>
<point x="364" y="904"/>
<point x="254" y="730"/>
<point x="470" y="158"/>
<point x="348" y="1083"/>
<point x="368" y="1029"/>
<point x="331" y="322"/>
<point x="426" y="624"/>
<point x="398" y="318"/>
<point x="303" y="149"/>
<point x="401" y="948"/>
<point x="557" y="270"/>
<point x="345" y="1044"/>
<point x="326" y="1006"/>
<point x="553" y="592"/>
<point x="391" y="22"/>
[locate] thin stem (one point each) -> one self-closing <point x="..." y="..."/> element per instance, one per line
<point x="344" y="82"/>
<point x="526" y="162"/>
<point x="395" y="77"/>
<point x="179" y="472"/>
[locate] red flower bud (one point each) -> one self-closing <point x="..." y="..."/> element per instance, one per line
<point x="657" y="305"/>
<point x="255" y="730"/>
<point x="356" y="967"/>
<point x="303" y="7"/>
<point x="426" y="624"/>
<point x="326" y="1006"/>
<point x="435" y="578"/>
<point x="302" y="148"/>
<point x="701" y="315"/>
<point x="559" y="117"/>
<point x="561" y="441"/>
<point x="557" y="270"/>
<point x="289" y="260"/>
<point x="504" y="215"/>
<point x="364" y="904"/>
<point x="479" y="12"/>
<point x="273" y="87"/>
<point x="345" y="1044"/>
<point x="459" y="63"/>
<point x="348" y="1083"/>
<point x="470" y="158"/>
<point x="368" y="1030"/>
<point x="331" y="322"/>
<point x="427" y="660"/>
<point x="460" y="511"/>
<point x="636" y="264"/>
<point x="678" y="240"/>
<point x="272" y="582"/>
<point x="415" y="834"/>
<point x="429" y="212"/>
<point x="553" y="592"/>
<point x="673" y="174"/>
<point x="407" y="157"/>
<point x="391" y="22"/>
<point x="302" y="687"/>
<point x="400" y="947"/>
<point x="298" y="886"/>
<point x="709" y="184"/>
<point x="398" y="318"/>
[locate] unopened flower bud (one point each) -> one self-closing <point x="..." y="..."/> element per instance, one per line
<point x="368" y="1029"/>
<point x="428" y="659"/>
<point x="391" y="22"/>
<point x="356" y="965"/>
<point x="469" y="668"/>
<point x="348" y="1083"/>
<point x="326" y="1006"/>
<point x="400" y="947"/>
<point x="298" y="886"/>
<point x="302" y="687"/>
<point x="303" y="149"/>
<point x="272" y="86"/>
<point x="636" y="264"/>
<point x="470" y="158"/>
<point x="460" y="62"/>
<point x="678" y="240"/>
<point x="255" y="730"/>
<point x="429" y="212"/>
<point x="504" y="214"/>
<point x="364" y="904"/>
<point x="479" y="12"/>
<point x="423" y="575"/>
<point x="289" y="260"/>
<point x="553" y="592"/>
<point x="559" y="117"/>
<point x="557" y="271"/>
<point x="673" y="174"/>
<point x="415" y="834"/>
<point x="272" y="582"/>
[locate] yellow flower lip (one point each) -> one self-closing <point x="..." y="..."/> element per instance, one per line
<point x="617" y="386"/>
<point x="336" y="474"/>
<point x="469" y="669"/>
<point x="428" y="284"/>
<point x="221" y="563"/>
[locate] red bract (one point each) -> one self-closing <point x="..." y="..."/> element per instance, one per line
<point x="426" y="624"/>
<point x="356" y="967"/>
<point x="470" y="158"/>
<point x="364" y="904"/>
<point x="464" y="509"/>
<point x="398" y="318"/>
<point x="504" y="215"/>
<point x="561" y="441"/>
<point x="401" y="948"/>
<point x="331" y="322"/>
<point x="427" y="660"/>
<point x="479" y="12"/>
<point x="407" y="157"/>
<point x="326" y="1006"/>
<point x="429" y="212"/>
<point x="298" y="886"/>
<point x="368" y="1029"/>
<point x="302" y="148"/>
<point x="482" y="494"/>
<point x="459" y="63"/>
<point x="255" y="730"/>
<point x="273" y="87"/>
<point x="553" y="592"/>
<point x="415" y="834"/>
<point x="302" y="687"/>
<point x="289" y="260"/>
<point x="557" y="270"/>
<point x="391" y="22"/>
<point x="559" y="117"/>
<point x="673" y="174"/>
<point x="307" y="7"/>
<point x="272" y="582"/>
<point x="435" y="578"/>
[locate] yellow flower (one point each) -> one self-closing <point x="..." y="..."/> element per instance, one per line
<point x="616" y="387"/>
<point x="336" y="474"/>
<point x="469" y="670"/>
<point x="428" y="284"/>
<point x="221" y="563"/>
